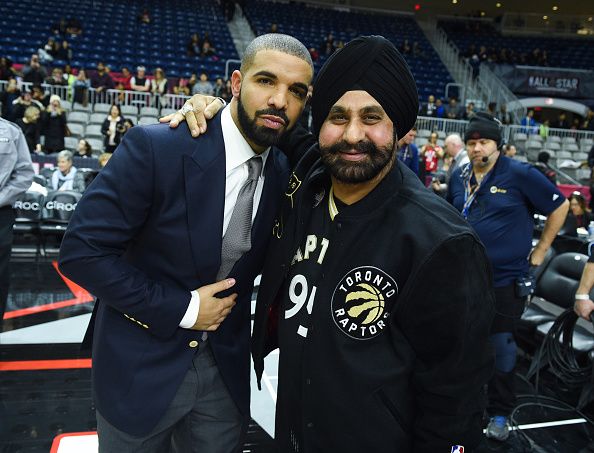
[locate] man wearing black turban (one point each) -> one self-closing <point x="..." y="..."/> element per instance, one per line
<point x="376" y="291"/>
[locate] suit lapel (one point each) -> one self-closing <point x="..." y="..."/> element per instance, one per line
<point x="204" y="175"/>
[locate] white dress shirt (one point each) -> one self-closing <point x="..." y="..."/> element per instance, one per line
<point x="237" y="153"/>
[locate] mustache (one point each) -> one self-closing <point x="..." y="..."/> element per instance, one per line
<point x="274" y="112"/>
<point x="361" y="147"/>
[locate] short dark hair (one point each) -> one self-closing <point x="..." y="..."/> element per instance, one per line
<point x="543" y="157"/>
<point x="275" y="41"/>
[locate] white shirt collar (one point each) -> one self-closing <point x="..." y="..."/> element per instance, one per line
<point x="237" y="149"/>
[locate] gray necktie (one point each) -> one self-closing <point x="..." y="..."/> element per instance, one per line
<point x="237" y="239"/>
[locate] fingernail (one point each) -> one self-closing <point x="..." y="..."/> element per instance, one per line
<point x="231" y="281"/>
<point x="202" y="129"/>
<point x="194" y="132"/>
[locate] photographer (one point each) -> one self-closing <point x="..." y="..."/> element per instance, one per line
<point x="113" y="128"/>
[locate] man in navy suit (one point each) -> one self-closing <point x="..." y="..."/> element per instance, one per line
<point x="170" y="343"/>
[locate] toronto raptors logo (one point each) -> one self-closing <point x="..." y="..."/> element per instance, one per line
<point x="361" y="302"/>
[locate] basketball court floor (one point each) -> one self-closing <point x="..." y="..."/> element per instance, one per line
<point x="45" y="386"/>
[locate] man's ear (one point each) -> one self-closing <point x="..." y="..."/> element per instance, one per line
<point x="236" y="79"/>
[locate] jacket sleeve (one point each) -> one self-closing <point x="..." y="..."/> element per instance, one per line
<point x="296" y="143"/>
<point x="446" y="317"/>
<point x="107" y="219"/>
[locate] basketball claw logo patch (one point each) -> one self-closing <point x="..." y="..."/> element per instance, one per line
<point x="361" y="302"/>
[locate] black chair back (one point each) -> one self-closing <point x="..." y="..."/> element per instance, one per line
<point x="29" y="207"/>
<point x="560" y="280"/>
<point x="60" y="205"/>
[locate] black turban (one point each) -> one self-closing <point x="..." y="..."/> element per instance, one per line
<point x="372" y="64"/>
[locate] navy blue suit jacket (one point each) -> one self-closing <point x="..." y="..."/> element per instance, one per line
<point x="147" y="232"/>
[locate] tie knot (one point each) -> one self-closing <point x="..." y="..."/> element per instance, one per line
<point x="254" y="167"/>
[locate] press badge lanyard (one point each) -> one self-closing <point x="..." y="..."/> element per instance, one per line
<point x="471" y="193"/>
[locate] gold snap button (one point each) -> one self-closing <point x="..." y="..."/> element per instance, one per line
<point x="193" y="344"/>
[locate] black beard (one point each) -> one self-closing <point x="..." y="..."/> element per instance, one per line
<point x="357" y="172"/>
<point x="260" y="135"/>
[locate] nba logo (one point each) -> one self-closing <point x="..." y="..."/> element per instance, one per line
<point x="457" y="449"/>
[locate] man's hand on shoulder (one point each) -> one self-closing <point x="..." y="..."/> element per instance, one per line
<point x="196" y="111"/>
<point x="214" y="310"/>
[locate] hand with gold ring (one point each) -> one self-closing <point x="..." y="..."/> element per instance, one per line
<point x="196" y="111"/>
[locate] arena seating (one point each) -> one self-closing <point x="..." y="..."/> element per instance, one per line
<point x="113" y="34"/>
<point x="311" y="25"/>
<point x="561" y="52"/>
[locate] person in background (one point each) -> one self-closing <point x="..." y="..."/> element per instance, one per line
<point x="112" y="129"/>
<point x="53" y="126"/>
<point x="408" y="153"/>
<point x="529" y="123"/>
<point x="16" y="176"/>
<point x="542" y="164"/>
<point x="543" y="129"/>
<point x="431" y="153"/>
<point x="203" y="86"/>
<point x="66" y="176"/>
<point x="102" y="81"/>
<point x="579" y="210"/>
<point x="104" y="158"/>
<point x="509" y="151"/>
<point x="140" y="82"/>
<point x="498" y="197"/>
<point x="8" y="97"/>
<point x="84" y="149"/>
<point x="159" y="88"/>
<point x="81" y="88"/>
<point x="454" y="148"/>
<point x="31" y="127"/>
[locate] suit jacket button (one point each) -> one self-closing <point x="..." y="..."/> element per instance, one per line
<point x="193" y="344"/>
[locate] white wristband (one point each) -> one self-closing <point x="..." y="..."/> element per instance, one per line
<point x="582" y="297"/>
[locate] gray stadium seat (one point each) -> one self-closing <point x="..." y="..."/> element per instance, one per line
<point x="149" y="111"/>
<point x="81" y="108"/>
<point x="533" y="145"/>
<point x="423" y="133"/>
<point x="554" y="146"/>
<point x="129" y="110"/>
<point x="71" y="143"/>
<point x="570" y="147"/>
<point x="553" y="139"/>
<point x="78" y="117"/>
<point x="96" y="145"/>
<point x="144" y="120"/>
<point x="97" y="118"/>
<point x="102" y="108"/>
<point x="94" y="130"/>
<point x="520" y="137"/>
<point x="76" y="129"/>
<point x="66" y="105"/>
<point x="568" y="140"/>
<point x="165" y="112"/>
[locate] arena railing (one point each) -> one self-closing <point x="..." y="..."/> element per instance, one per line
<point x="173" y="101"/>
